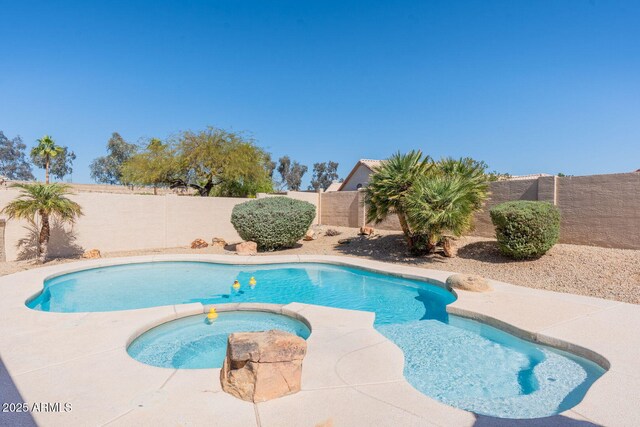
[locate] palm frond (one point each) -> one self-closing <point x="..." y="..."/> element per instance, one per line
<point x="390" y="182"/>
<point x="43" y="198"/>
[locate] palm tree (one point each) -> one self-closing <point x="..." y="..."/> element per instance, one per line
<point x="46" y="149"/>
<point x="442" y="203"/>
<point x="388" y="187"/>
<point x="44" y="201"/>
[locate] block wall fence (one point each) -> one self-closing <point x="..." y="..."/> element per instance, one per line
<point x="126" y="222"/>
<point x="599" y="210"/>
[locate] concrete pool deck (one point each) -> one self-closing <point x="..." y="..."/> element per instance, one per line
<point x="352" y="375"/>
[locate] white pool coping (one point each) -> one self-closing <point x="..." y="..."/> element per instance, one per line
<point x="352" y="375"/>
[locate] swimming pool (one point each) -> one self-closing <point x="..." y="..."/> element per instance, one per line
<point x="193" y="342"/>
<point x="460" y="362"/>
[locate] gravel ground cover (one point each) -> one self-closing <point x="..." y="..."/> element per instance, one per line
<point x="584" y="270"/>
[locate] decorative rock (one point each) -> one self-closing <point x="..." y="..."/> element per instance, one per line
<point x="92" y="254"/>
<point x="449" y="247"/>
<point x="469" y="282"/>
<point x="311" y="235"/>
<point x="366" y="231"/>
<point x="199" y="244"/>
<point x="344" y="241"/>
<point x="220" y="242"/>
<point x="247" y="248"/>
<point x="261" y="366"/>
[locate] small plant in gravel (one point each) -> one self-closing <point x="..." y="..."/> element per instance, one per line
<point x="274" y="222"/>
<point x="526" y="229"/>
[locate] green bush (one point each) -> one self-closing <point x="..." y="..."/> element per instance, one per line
<point x="273" y="222"/>
<point x="526" y="229"/>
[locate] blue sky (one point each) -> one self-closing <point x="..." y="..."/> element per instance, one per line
<point x="527" y="86"/>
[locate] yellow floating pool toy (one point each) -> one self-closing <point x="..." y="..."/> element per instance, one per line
<point x="252" y="281"/>
<point x="213" y="315"/>
<point x="236" y="285"/>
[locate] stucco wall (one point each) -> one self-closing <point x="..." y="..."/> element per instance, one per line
<point x="360" y="176"/>
<point x="113" y="222"/>
<point x="3" y="255"/>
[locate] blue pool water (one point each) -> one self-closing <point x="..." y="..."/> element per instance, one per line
<point x="195" y="343"/>
<point x="461" y="362"/>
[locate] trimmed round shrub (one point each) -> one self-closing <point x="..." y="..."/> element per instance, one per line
<point x="273" y="222"/>
<point x="526" y="229"/>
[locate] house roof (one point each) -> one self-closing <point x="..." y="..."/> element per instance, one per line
<point x="335" y="186"/>
<point x="368" y="163"/>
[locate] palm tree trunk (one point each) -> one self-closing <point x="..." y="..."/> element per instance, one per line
<point x="405" y="229"/>
<point x="46" y="172"/>
<point x="43" y="240"/>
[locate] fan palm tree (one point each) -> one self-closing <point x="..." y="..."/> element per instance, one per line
<point x="388" y="188"/>
<point x="44" y="201"/>
<point x="442" y="203"/>
<point x="46" y="149"/>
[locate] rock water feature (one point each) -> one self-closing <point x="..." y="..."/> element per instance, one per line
<point x="262" y="366"/>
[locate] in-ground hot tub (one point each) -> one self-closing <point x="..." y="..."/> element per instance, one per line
<point x="194" y="342"/>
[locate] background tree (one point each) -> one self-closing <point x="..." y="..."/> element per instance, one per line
<point x="44" y="201"/>
<point x="270" y="165"/>
<point x="43" y="153"/>
<point x="497" y="176"/>
<point x="155" y="165"/>
<point x="108" y="169"/>
<point x="323" y="175"/>
<point x="291" y="173"/>
<point x="216" y="162"/>
<point x="13" y="160"/>
<point x="61" y="165"/>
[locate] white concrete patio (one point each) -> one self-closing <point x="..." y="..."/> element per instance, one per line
<point x="352" y="375"/>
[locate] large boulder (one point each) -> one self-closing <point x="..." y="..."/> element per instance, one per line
<point x="468" y="282"/>
<point x="262" y="366"/>
<point x="247" y="248"/>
